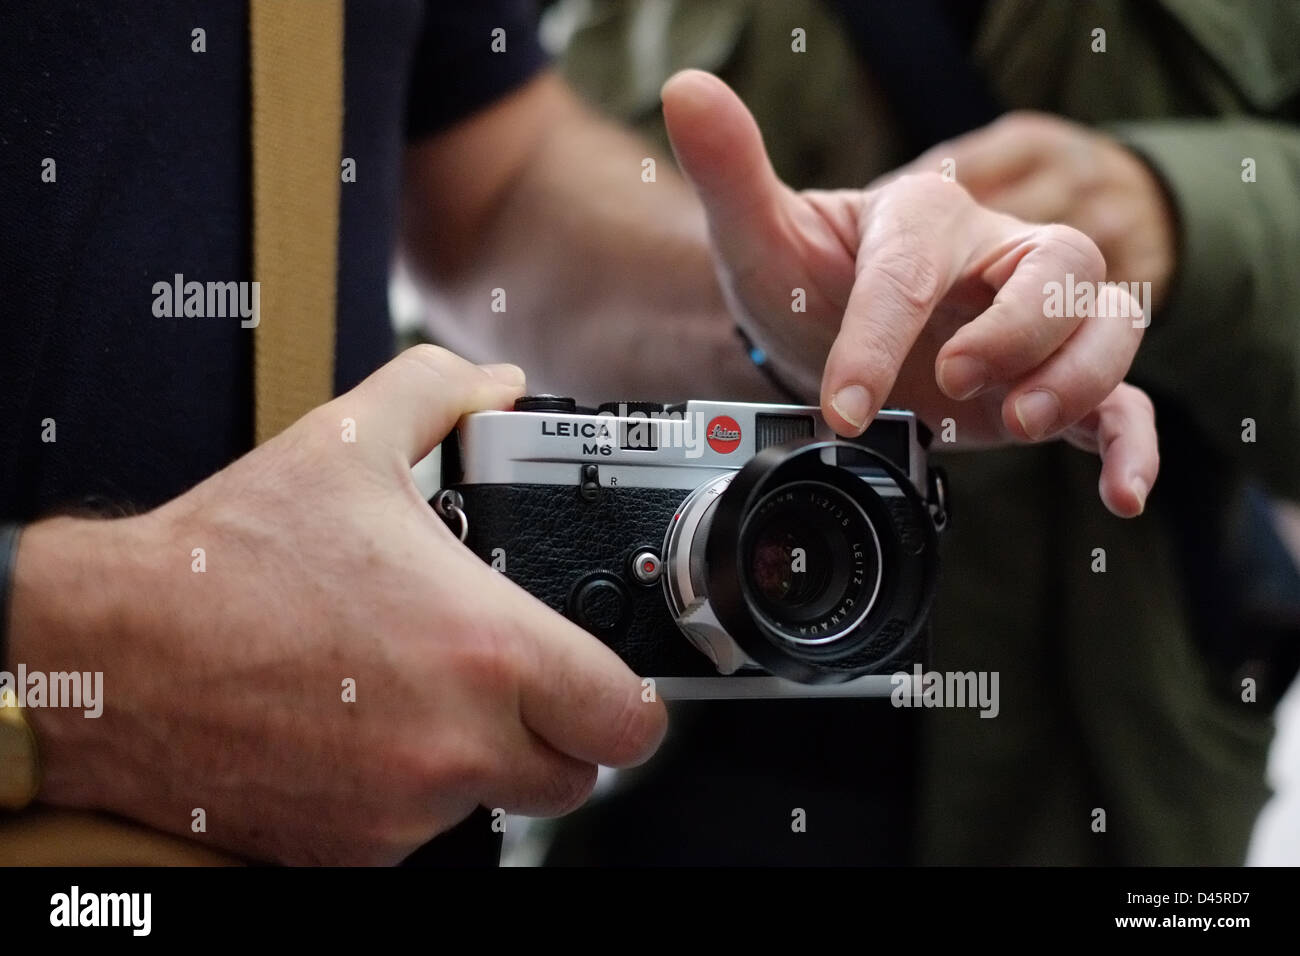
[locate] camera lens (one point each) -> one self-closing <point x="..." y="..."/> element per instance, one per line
<point x="774" y="571"/>
<point x="810" y="561"/>
<point x="802" y="566"/>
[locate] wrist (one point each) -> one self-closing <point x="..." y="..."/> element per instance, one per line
<point x="64" y="589"/>
<point x="794" y="372"/>
<point x="1155" y="260"/>
<point x="68" y="611"/>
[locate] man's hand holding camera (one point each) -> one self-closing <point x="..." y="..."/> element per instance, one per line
<point x="322" y="562"/>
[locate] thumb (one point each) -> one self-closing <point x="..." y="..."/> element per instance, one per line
<point x="720" y="150"/>
<point x="416" y="399"/>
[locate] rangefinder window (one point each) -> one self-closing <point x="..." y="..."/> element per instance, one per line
<point x="772" y="430"/>
<point x="889" y="438"/>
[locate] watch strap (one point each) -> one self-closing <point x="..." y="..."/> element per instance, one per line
<point x="9" y="534"/>
<point x="20" y="769"/>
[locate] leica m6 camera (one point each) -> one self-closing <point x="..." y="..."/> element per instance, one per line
<point x="723" y="549"/>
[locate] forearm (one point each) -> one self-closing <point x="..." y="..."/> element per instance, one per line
<point x="608" y="281"/>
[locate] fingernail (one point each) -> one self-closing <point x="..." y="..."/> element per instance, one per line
<point x="853" y="404"/>
<point x="505" y="373"/>
<point x="1038" y="411"/>
<point x="962" y="377"/>
<point x="686" y="72"/>
<point x="1140" y="490"/>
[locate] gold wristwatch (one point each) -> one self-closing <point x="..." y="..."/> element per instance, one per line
<point x="20" y="766"/>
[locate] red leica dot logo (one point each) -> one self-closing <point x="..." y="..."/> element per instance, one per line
<point x="723" y="434"/>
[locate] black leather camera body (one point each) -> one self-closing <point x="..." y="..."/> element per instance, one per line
<point x="723" y="549"/>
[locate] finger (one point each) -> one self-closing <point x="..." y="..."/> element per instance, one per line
<point x="906" y="265"/>
<point x="534" y="779"/>
<point x="506" y="373"/>
<point x="989" y="158"/>
<point x="720" y="150"/>
<point x="1081" y="374"/>
<point x="1122" y="429"/>
<point x="1041" y="196"/>
<point x="416" y="399"/>
<point x="579" y="697"/>
<point x="1015" y="335"/>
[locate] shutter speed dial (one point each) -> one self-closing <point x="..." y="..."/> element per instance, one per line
<point x="600" y="603"/>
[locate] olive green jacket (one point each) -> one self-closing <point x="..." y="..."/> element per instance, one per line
<point x="1106" y="702"/>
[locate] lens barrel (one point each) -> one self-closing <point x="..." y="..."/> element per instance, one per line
<point x="818" y="575"/>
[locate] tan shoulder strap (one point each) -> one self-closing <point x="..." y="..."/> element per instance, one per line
<point x="297" y="67"/>
<point x="296" y="56"/>
<point x="48" y="836"/>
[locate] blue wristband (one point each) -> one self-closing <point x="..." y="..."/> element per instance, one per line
<point x="759" y="358"/>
